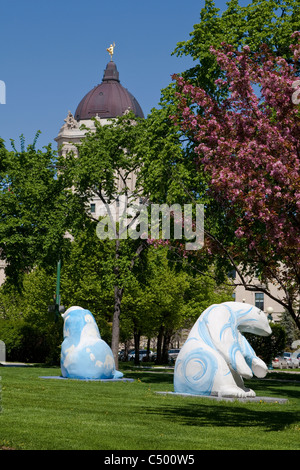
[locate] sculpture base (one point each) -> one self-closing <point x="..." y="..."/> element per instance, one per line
<point x="122" y="379"/>
<point x="219" y="398"/>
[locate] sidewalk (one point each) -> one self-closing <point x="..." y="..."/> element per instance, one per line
<point x="14" y="364"/>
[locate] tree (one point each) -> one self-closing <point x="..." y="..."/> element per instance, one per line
<point x="291" y="330"/>
<point x="34" y="209"/>
<point x="167" y="297"/>
<point x="248" y="145"/>
<point x="25" y="325"/>
<point x="269" y="22"/>
<point x="165" y="291"/>
<point x="171" y="168"/>
<point x="104" y="168"/>
<point x="269" y="347"/>
<point x="88" y="277"/>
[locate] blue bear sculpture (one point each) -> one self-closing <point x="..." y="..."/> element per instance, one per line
<point x="84" y="355"/>
<point x="216" y="356"/>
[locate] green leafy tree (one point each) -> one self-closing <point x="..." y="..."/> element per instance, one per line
<point x="25" y="324"/>
<point x="292" y="332"/>
<point x="270" y="346"/>
<point x="88" y="276"/>
<point x="204" y="291"/>
<point x="165" y="290"/>
<point x="175" y="173"/>
<point x="34" y="209"/>
<point x="104" y="168"/>
<point x="169" y="297"/>
<point x="269" y="22"/>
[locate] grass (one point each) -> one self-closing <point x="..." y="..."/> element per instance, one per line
<point x="40" y="414"/>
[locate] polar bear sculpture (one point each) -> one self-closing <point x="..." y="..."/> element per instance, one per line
<point x="216" y="356"/>
<point x="84" y="355"/>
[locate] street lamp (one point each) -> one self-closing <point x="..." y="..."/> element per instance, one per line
<point x="270" y="310"/>
<point x="56" y="308"/>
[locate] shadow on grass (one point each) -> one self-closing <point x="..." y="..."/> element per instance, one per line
<point x="206" y="413"/>
<point x="274" y="388"/>
<point x="150" y="377"/>
<point x="224" y="415"/>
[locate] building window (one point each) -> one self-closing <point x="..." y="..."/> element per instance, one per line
<point x="232" y="273"/>
<point x="233" y="297"/>
<point x="259" y="300"/>
<point x="93" y="208"/>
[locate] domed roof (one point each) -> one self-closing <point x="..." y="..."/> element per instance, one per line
<point x="109" y="99"/>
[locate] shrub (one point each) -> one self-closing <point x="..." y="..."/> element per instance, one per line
<point x="267" y="347"/>
<point x="29" y="343"/>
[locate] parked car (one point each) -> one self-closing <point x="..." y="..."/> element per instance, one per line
<point x="172" y="354"/>
<point x="142" y="355"/>
<point x="286" y="361"/>
<point x="279" y="362"/>
<point x="121" y="355"/>
<point x="292" y="361"/>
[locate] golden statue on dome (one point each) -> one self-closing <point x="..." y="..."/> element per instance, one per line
<point x="110" y="50"/>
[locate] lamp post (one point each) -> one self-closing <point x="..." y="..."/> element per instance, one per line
<point x="56" y="308"/>
<point x="57" y="296"/>
<point x="270" y="310"/>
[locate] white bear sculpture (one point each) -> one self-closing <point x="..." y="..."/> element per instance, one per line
<point x="84" y="355"/>
<point x="216" y="356"/>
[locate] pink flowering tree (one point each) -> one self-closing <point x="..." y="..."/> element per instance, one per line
<point x="248" y="146"/>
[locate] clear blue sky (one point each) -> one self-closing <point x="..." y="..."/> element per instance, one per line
<point x="54" y="51"/>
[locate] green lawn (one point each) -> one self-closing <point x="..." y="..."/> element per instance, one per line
<point x="40" y="414"/>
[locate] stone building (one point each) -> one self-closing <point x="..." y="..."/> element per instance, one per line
<point x="261" y="300"/>
<point x="105" y="101"/>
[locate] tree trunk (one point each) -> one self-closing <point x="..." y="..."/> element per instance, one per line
<point x="166" y="343"/>
<point x="137" y="336"/>
<point x="115" y="339"/>
<point x="126" y="347"/>
<point x="148" y="350"/>
<point x="118" y="297"/>
<point x="118" y="293"/>
<point x="159" y="345"/>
